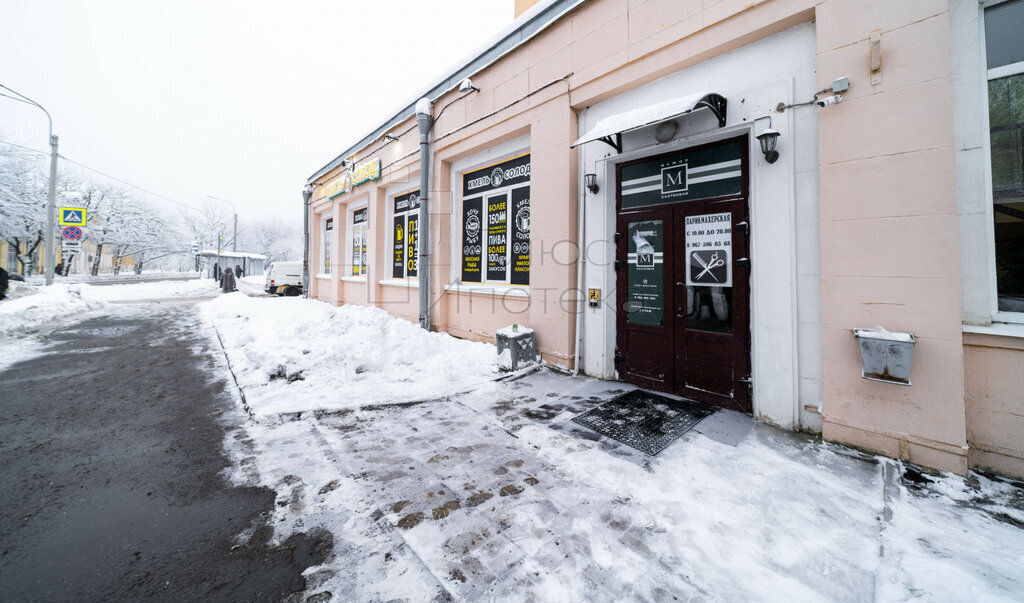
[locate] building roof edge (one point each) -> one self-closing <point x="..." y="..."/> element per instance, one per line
<point x="529" y="24"/>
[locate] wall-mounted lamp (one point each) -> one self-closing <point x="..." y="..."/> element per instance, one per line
<point x="768" y="139"/>
<point x="591" y="182"/>
<point x="467" y="85"/>
<point x="389" y="137"/>
<point x="666" y="131"/>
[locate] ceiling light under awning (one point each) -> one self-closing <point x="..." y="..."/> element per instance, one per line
<point x="609" y="130"/>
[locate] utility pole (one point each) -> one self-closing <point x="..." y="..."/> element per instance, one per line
<point x="51" y="202"/>
<point x="51" y="213"/>
<point x="220" y="240"/>
<point x="234" y="239"/>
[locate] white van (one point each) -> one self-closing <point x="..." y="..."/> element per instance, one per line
<point x="284" y="278"/>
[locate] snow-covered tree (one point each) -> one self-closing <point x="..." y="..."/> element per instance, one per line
<point x="273" y="238"/>
<point x="23" y="196"/>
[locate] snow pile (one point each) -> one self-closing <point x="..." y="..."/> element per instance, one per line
<point x="49" y="308"/>
<point x="294" y="354"/>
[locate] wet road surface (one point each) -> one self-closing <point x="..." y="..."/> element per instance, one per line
<point x="112" y="473"/>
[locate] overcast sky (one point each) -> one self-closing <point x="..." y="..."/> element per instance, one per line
<point x="237" y="99"/>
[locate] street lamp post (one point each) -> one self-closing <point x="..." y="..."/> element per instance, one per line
<point x="234" y="239"/>
<point x="51" y="201"/>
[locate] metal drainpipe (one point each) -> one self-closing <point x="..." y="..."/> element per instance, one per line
<point x="425" y="122"/>
<point x="307" y="193"/>
<point x="581" y="266"/>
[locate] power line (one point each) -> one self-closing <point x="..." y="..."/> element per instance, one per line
<point x="129" y="184"/>
<point x="25" y="148"/>
<point x="105" y="175"/>
<point x="20" y="100"/>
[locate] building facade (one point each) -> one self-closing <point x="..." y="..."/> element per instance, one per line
<point x="601" y="179"/>
<point x="81" y="263"/>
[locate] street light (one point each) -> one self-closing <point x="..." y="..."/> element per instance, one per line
<point x="51" y="209"/>
<point x="234" y="238"/>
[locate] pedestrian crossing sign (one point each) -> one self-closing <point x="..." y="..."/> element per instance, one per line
<point x="72" y="216"/>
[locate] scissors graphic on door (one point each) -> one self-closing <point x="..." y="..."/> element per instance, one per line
<point x="712" y="263"/>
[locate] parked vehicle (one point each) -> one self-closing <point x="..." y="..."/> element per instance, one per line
<point x="284" y="278"/>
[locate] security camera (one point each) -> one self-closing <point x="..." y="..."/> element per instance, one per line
<point x="467" y="85"/>
<point x="830" y="100"/>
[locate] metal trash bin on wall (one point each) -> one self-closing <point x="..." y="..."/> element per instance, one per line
<point x="885" y="356"/>
<point x="517" y="346"/>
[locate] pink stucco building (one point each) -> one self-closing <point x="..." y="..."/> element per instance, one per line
<point x="600" y="179"/>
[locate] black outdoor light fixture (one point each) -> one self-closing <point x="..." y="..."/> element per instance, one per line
<point x="768" y="139"/>
<point x="591" y="181"/>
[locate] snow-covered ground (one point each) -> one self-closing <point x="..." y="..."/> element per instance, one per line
<point x="435" y="478"/>
<point x="33" y="310"/>
<point x="487" y="490"/>
<point x="292" y="355"/>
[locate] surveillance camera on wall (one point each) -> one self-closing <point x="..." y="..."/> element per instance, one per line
<point x="830" y="100"/>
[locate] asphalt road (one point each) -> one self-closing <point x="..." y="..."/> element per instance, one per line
<point x="112" y="460"/>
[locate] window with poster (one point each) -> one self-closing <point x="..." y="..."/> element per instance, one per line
<point x="403" y="235"/>
<point x="359" y="230"/>
<point x="496" y="223"/>
<point x="1004" y="52"/>
<point x="325" y="245"/>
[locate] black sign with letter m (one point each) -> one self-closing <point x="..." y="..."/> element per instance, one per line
<point x="673" y="179"/>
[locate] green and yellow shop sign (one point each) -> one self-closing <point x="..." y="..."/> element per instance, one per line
<point x="360" y="175"/>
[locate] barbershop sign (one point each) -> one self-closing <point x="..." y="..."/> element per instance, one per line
<point x="360" y="175"/>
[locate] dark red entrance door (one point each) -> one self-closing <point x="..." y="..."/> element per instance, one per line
<point x="683" y="274"/>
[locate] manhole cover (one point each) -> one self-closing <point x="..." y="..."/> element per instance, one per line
<point x="642" y="420"/>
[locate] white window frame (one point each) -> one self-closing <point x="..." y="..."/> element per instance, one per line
<point x="989" y="75"/>
<point x="325" y="265"/>
<point x="350" y="233"/>
<point x="498" y="154"/>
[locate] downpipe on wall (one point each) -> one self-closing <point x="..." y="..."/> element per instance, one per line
<point x="307" y="194"/>
<point x="425" y="122"/>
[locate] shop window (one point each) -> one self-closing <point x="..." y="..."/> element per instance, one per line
<point x="359" y="228"/>
<point x="325" y="245"/>
<point x="496" y="223"/>
<point x="1004" y="49"/>
<point x="404" y="235"/>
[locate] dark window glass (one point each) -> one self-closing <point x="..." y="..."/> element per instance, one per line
<point x="1004" y="38"/>
<point x="1004" y="33"/>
